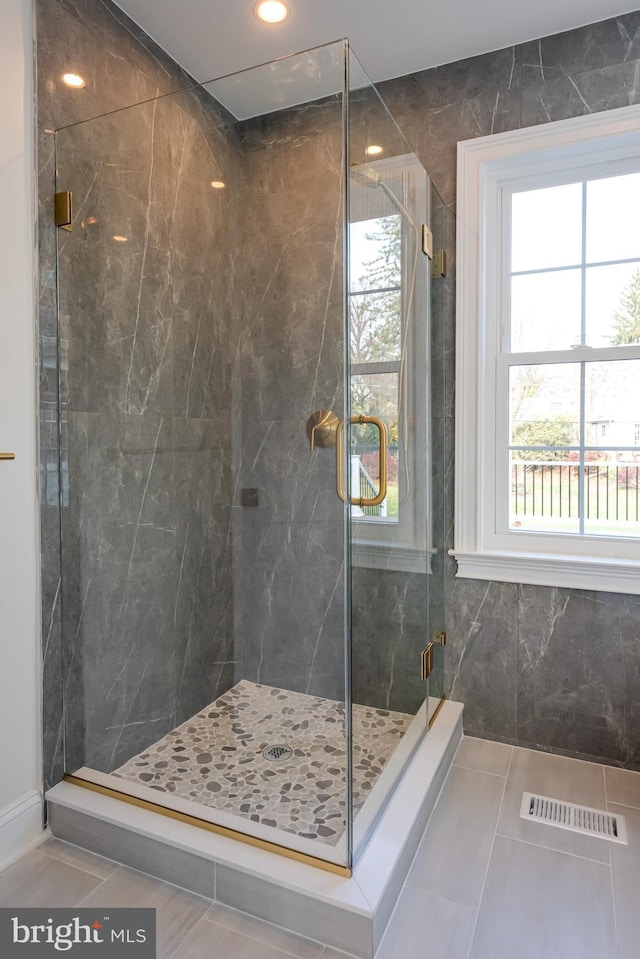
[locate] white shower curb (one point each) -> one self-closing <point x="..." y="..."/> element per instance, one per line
<point x="347" y="914"/>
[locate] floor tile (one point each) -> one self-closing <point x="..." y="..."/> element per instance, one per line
<point x="38" y="880"/>
<point x="213" y="941"/>
<point x="264" y="932"/>
<point x="177" y="911"/>
<point x="80" y="858"/>
<point x="330" y="953"/>
<point x="427" y="925"/>
<point x="483" y="755"/>
<point x="542" y="904"/>
<point x="623" y="786"/>
<point x="570" y="780"/>
<point x="453" y="856"/>
<point x="625" y="867"/>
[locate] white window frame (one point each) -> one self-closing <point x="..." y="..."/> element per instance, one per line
<point x="485" y="167"/>
<point x="402" y="544"/>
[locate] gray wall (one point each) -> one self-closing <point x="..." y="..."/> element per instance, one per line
<point x="547" y="668"/>
<point x="290" y="580"/>
<point x="191" y="358"/>
<point x="146" y="354"/>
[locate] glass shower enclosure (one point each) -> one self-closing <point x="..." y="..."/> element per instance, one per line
<point x="246" y="476"/>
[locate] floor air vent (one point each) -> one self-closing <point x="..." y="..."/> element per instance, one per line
<point x="566" y="815"/>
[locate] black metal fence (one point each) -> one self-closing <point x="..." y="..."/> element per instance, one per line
<point x="552" y="489"/>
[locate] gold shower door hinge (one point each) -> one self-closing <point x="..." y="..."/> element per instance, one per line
<point x="63" y="209"/>
<point x="427" y="241"/>
<point x="439" y="264"/>
<point x="427" y="662"/>
<point x="439" y="637"/>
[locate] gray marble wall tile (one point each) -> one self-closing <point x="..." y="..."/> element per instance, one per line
<point x="119" y="62"/>
<point x="147" y="347"/>
<point x="289" y="576"/>
<point x="571" y="673"/>
<point x="533" y="681"/>
<point x="389" y="631"/>
<point x="482" y="633"/>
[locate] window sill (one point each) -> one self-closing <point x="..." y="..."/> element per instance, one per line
<point x="545" y="569"/>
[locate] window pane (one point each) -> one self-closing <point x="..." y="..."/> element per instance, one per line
<point x="612" y="494"/>
<point x="613" y="212"/>
<point x="545" y="405"/>
<point x="546" y="228"/>
<point x="375" y="394"/>
<point x="375" y="253"/>
<point x="545" y="310"/>
<point x="613" y="305"/>
<point x="374" y="327"/>
<point x="545" y="488"/>
<point x="612" y="403"/>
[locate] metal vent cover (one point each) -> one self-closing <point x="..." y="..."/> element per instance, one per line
<point x="277" y="753"/>
<point x="566" y="815"/>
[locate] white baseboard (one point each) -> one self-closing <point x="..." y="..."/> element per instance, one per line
<point x="21" y="828"/>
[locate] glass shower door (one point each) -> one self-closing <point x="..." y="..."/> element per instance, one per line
<point x="205" y="586"/>
<point x="389" y="379"/>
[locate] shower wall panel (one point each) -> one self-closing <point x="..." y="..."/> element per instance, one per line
<point x="290" y="561"/>
<point x="541" y="667"/>
<point x="147" y="352"/>
<point x="122" y="65"/>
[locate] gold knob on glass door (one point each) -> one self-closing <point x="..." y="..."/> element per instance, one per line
<point x="7" y="456"/>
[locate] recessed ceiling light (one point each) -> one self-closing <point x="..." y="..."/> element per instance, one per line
<point x="73" y="80"/>
<point x="373" y="150"/>
<point x="120" y="239"/>
<point x="271" y="11"/>
<point x="217" y="184"/>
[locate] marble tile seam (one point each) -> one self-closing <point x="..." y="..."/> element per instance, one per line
<point x="96" y="875"/>
<point x="562" y="852"/>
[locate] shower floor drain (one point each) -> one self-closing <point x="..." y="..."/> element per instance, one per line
<point x="277" y="753"/>
<point x="566" y="815"/>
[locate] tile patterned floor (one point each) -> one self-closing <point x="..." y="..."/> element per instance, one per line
<point x="216" y="758"/>
<point x="481" y="886"/>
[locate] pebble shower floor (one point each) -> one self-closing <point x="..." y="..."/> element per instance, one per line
<point x="216" y="758"/>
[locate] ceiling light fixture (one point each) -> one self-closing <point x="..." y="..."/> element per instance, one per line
<point x="120" y="239"/>
<point x="73" y="80"/>
<point x="217" y="184"/>
<point x="373" y="150"/>
<point x="271" y="11"/>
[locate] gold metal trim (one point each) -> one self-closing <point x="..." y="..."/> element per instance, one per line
<point x="7" y="456"/>
<point x="63" y="209"/>
<point x="427" y="241"/>
<point x="439" y="264"/>
<point x="439" y="637"/>
<point x="437" y="711"/>
<point x="343" y="871"/>
<point x="382" y="491"/>
<point x="426" y="664"/>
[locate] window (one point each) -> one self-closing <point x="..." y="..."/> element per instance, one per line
<point x="548" y="376"/>
<point x="387" y="298"/>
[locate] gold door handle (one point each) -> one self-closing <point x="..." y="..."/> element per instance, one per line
<point x="382" y="491"/>
<point x="7" y="456"/>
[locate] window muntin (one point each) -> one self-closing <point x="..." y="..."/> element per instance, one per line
<point x="573" y="454"/>
<point x="590" y="147"/>
<point x="389" y="359"/>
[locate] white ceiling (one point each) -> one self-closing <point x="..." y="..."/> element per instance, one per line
<point x="212" y="38"/>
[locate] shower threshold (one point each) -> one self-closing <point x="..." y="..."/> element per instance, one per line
<point x="345" y="913"/>
<point x="213" y="767"/>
